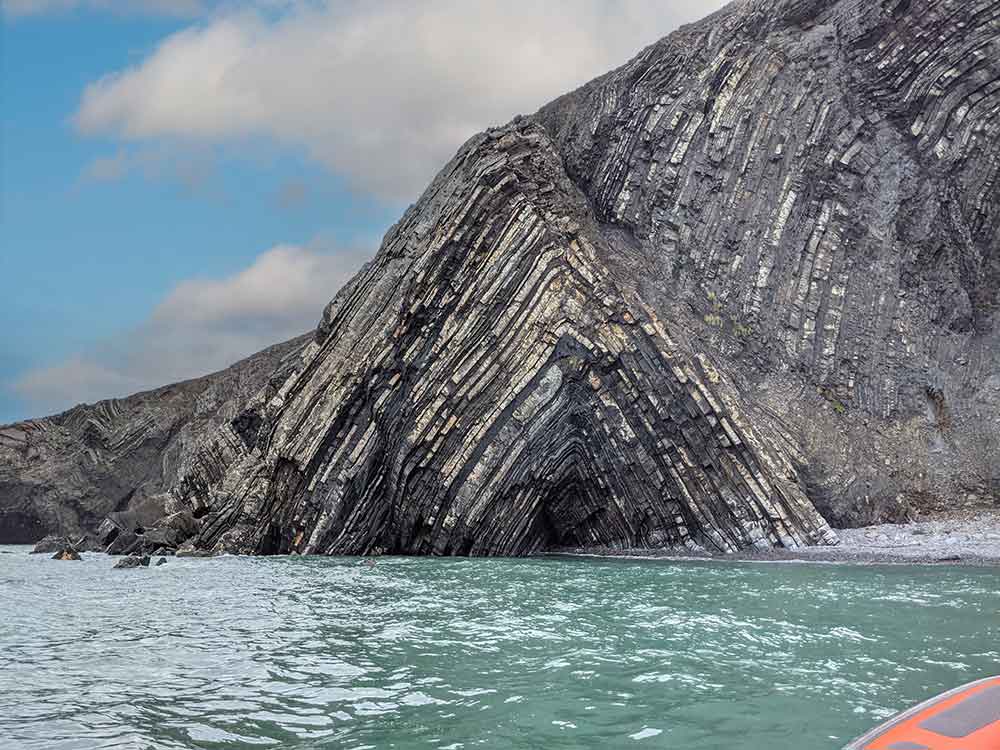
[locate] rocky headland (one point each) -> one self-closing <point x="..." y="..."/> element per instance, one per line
<point x="737" y="291"/>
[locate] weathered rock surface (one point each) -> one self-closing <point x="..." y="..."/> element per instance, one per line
<point x="493" y="383"/>
<point x="64" y="474"/>
<point x="753" y="272"/>
<point x="760" y="258"/>
<point x="67" y="553"/>
<point x="816" y="182"/>
<point x="50" y="543"/>
<point x="129" y="562"/>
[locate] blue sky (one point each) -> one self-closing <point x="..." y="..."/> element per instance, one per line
<point x="165" y="162"/>
<point x="86" y="259"/>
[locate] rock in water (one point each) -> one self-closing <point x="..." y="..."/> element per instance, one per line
<point x="51" y="543"/>
<point x="128" y="562"/>
<point x="161" y="561"/>
<point x="124" y="543"/>
<point x="753" y="272"/>
<point x="66" y="554"/>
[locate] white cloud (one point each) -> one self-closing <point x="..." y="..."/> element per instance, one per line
<point x="201" y="326"/>
<point x="189" y="166"/>
<point x="182" y="8"/>
<point x="381" y="93"/>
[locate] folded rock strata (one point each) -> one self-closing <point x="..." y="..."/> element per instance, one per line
<point x="817" y="181"/>
<point x="492" y="384"/>
<point x="762" y="255"/>
<point x="752" y="273"/>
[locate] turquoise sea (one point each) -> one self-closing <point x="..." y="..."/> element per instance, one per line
<point x="292" y="652"/>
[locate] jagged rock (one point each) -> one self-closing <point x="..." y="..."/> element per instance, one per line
<point x="51" y="543"/>
<point x="124" y="543"/>
<point x="67" y="553"/>
<point x="107" y="531"/>
<point x="164" y="552"/>
<point x="87" y="543"/>
<point x="161" y="537"/>
<point x="64" y="474"/>
<point x="161" y="561"/>
<point x="128" y="562"/>
<point x="171" y="531"/>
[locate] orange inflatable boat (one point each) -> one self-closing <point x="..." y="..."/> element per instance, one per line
<point x="967" y="718"/>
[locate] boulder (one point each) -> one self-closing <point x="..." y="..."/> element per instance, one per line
<point x="67" y="553"/>
<point x="87" y="543"/>
<point x="161" y="537"/>
<point x="123" y="543"/>
<point x="161" y="561"/>
<point x="128" y="562"/>
<point x="107" y="532"/>
<point x="183" y="522"/>
<point x="51" y="543"/>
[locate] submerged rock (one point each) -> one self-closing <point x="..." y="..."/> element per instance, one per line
<point x="189" y="552"/>
<point x="161" y="561"/>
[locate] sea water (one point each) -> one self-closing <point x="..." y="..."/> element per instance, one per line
<point x="312" y="652"/>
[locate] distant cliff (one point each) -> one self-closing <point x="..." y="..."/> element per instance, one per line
<point x="752" y="274"/>
<point x="64" y="474"/>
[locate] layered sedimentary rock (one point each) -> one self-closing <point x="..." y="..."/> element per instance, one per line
<point x="752" y="273"/>
<point x="63" y="474"/>
<point x="817" y="182"/>
<point x="492" y="383"/>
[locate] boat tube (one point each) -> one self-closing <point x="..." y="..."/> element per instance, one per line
<point x="966" y="718"/>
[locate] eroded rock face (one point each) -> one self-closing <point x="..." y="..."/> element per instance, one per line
<point x="816" y="181"/>
<point x="63" y="474"/>
<point x="761" y="257"/>
<point x="494" y="384"/>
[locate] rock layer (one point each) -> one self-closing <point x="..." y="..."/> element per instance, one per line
<point x="818" y="183"/>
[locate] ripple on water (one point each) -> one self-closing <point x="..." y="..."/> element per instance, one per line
<point x="437" y="653"/>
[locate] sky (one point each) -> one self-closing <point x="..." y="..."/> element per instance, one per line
<point x="184" y="182"/>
